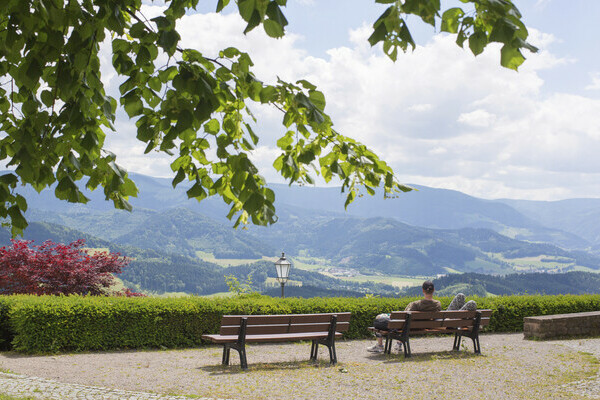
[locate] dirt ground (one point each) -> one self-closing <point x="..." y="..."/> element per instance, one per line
<point x="509" y="368"/>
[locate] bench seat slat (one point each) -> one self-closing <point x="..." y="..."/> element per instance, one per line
<point x="284" y="337"/>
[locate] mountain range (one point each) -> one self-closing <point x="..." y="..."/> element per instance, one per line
<point x="421" y="233"/>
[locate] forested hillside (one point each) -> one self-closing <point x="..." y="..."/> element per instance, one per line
<point x="373" y="245"/>
<point x="161" y="271"/>
<point x="535" y="283"/>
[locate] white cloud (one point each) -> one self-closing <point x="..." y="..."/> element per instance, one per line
<point x="439" y="116"/>
<point x="477" y="118"/>
<point x="595" y="84"/>
<point x="420" y="107"/>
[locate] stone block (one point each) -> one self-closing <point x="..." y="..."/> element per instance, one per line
<point x="562" y="325"/>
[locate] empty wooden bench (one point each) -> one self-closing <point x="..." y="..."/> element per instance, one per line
<point x="404" y="324"/>
<point x="237" y="330"/>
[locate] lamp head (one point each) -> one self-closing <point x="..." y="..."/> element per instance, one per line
<point x="283" y="266"/>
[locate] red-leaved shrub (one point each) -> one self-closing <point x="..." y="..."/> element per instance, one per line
<point x="55" y="268"/>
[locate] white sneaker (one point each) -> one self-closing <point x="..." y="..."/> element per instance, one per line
<point x="377" y="348"/>
<point x="398" y="347"/>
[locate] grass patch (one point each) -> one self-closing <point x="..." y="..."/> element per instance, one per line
<point x="272" y="282"/>
<point x="311" y="263"/>
<point x="230" y="262"/>
<point x="397" y="281"/>
<point x="541" y="262"/>
<point x="8" y="397"/>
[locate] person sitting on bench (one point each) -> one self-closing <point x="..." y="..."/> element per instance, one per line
<point x="425" y="304"/>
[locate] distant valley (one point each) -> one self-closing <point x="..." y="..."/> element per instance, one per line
<point x="425" y="233"/>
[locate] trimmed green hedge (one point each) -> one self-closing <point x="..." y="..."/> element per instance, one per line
<point x="35" y="324"/>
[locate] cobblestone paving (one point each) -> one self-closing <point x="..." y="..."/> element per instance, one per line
<point x="20" y="385"/>
<point x="588" y="387"/>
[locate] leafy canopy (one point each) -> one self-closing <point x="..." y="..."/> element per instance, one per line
<point x="54" y="110"/>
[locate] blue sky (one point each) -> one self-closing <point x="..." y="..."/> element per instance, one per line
<point x="439" y="116"/>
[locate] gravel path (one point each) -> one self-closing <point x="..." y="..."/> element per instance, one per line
<point x="510" y="368"/>
<point x="590" y="387"/>
<point x="21" y="385"/>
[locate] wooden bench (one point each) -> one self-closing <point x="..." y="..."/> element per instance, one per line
<point x="237" y="330"/>
<point x="404" y="324"/>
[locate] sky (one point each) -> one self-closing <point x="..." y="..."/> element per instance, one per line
<point x="439" y="116"/>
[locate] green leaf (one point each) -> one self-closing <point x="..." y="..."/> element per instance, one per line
<point x="254" y="202"/>
<point x="47" y="98"/>
<point x="196" y="191"/>
<point x="286" y="141"/>
<point x="378" y="34"/>
<point x="16" y="218"/>
<point x="90" y="141"/>
<point x="133" y="104"/>
<point x="21" y="203"/>
<point x="252" y="134"/>
<point x="73" y="160"/>
<point x="212" y="127"/>
<point x="254" y="21"/>
<point x="168" y="74"/>
<point x="221" y="4"/>
<point x="179" y="177"/>
<point x="129" y="188"/>
<point x="451" y="19"/>
<point x="503" y="31"/>
<point x="155" y="83"/>
<point x="350" y="198"/>
<point x="511" y="57"/>
<point x="185" y="120"/>
<point x="246" y="9"/>
<point x="317" y="98"/>
<point x="143" y="56"/>
<point x="231" y="52"/>
<point x="273" y="28"/>
<point x="168" y="41"/>
<point x="477" y="42"/>
<point x="268" y="94"/>
<point x="274" y="13"/>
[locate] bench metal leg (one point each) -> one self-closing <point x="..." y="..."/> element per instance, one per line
<point x="476" y="345"/>
<point x="226" y="349"/>
<point x="404" y="339"/>
<point x="407" y="353"/>
<point x="387" y="349"/>
<point x="457" y="339"/>
<point x="473" y="334"/>
<point x="314" y="350"/>
<point x="332" y="355"/>
<point x="330" y="347"/>
<point x="243" y="360"/>
<point x="329" y="341"/>
<point x="241" y="351"/>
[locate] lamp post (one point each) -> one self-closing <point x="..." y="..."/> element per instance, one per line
<point x="283" y="267"/>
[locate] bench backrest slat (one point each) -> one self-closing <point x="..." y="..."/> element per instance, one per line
<point x="293" y="323"/>
<point x="438" y="319"/>
<point x="283" y="328"/>
<point x="427" y="315"/>
<point x="284" y="319"/>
